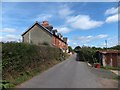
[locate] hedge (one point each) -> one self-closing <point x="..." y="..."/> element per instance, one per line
<point x="87" y="54"/>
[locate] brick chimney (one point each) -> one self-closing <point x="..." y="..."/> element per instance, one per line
<point x="46" y="25"/>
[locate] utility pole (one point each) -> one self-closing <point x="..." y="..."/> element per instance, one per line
<point x="106" y="44"/>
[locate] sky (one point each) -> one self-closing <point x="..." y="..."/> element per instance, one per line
<point x="83" y="23"/>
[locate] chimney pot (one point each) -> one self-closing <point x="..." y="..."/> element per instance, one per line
<point x="45" y="23"/>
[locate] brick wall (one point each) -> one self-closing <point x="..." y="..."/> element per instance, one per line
<point x="59" y="43"/>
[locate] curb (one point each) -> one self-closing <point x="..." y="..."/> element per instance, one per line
<point x="89" y="64"/>
<point x="115" y="72"/>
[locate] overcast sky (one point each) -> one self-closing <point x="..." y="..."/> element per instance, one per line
<point x="84" y="23"/>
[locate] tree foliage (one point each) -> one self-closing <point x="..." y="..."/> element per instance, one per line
<point x="77" y="48"/>
<point x="70" y="49"/>
<point x="87" y="54"/>
<point x="116" y="47"/>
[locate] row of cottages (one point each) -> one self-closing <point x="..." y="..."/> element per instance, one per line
<point x="109" y="58"/>
<point x="44" y="33"/>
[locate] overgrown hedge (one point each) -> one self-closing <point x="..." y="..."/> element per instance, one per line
<point x="87" y="54"/>
<point x="20" y="59"/>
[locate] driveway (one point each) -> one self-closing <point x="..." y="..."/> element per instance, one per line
<point x="67" y="74"/>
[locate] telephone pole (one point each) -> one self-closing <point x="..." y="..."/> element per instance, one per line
<point x="106" y="44"/>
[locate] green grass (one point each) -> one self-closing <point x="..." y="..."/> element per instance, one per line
<point x="117" y="77"/>
<point x="5" y="84"/>
<point x="110" y="68"/>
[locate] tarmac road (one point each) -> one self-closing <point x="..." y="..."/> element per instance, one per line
<point x="67" y="74"/>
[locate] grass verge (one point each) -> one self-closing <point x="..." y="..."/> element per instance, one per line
<point x="117" y="77"/>
<point x="110" y="68"/>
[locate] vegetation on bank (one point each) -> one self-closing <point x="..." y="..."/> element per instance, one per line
<point x="22" y="61"/>
<point x="117" y="77"/>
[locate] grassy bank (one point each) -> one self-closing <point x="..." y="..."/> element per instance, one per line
<point x="21" y="61"/>
<point x="117" y="77"/>
<point x="110" y="68"/>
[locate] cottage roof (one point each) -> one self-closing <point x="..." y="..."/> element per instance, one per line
<point x="50" y="32"/>
<point x="37" y="23"/>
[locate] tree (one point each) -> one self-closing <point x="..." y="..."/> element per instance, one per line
<point x="77" y="48"/>
<point x="96" y="48"/>
<point x="86" y="54"/>
<point x="70" y="49"/>
<point x="116" y="47"/>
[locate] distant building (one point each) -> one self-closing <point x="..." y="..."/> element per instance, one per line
<point x="109" y="58"/>
<point x="44" y="34"/>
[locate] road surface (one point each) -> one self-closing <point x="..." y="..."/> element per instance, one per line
<point x="68" y="74"/>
